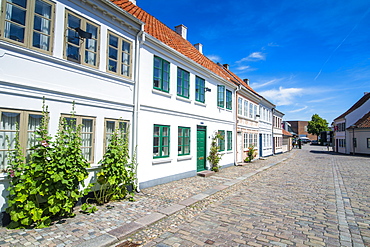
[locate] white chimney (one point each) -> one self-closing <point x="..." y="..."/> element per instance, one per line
<point x="133" y="1"/>
<point x="199" y="47"/>
<point x="226" y="66"/>
<point x="182" y="30"/>
<point x="246" y="81"/>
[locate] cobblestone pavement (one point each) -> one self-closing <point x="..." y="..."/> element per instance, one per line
<point x="85" y="230"/>
<point x="315" y="198"/>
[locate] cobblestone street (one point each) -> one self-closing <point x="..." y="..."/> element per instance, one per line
<point x="306" y="197"/>
<point x="315" y="198"/>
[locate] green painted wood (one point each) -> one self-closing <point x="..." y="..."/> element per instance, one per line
<point x="201" y="148"/>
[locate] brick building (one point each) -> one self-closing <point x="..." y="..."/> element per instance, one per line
<point x="300" y="127"/>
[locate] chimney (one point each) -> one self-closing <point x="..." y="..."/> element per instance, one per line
<point x="226" y="66"/>
<point x="199" y="47"/>
<point x="133" y="1"/>
<point x="366" y="93"/>
<point x="182" y="30"/>
<point x="246" y="81"/>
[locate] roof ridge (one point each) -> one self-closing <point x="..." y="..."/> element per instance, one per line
<point x="356" y="105"/>
<point x="170" y="37"/>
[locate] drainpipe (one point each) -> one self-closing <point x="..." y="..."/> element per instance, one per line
<point x="239" y="87"/>
<point x="140" y="39"/>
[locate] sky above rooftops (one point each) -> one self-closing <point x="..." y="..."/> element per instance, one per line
<point x="306" y="57"/>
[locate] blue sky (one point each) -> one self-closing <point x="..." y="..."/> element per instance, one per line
<point x="306" y="57"/>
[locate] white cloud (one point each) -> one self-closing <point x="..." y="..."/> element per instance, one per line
<point x="255" y="85"/>
<point x="298" y="110"/>
<point x="243" y="67"/>
<point x="320" y="100"/>
<point x="214" y="58"/>
<point x="282" y="96"/>
<point x="272" y="44"/>
<point x="254" y="56"/>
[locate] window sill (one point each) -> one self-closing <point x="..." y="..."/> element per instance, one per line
<point x="229" y="152"/>
<point x="181" y="158"/>
<point x="200" y="103"/>
<point x="161" y="161"/>
<point x="161" y="93"/>
<point x="183" y="99"/>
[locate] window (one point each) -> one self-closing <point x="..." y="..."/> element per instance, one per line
<point x="245" y="108"/>
<point x="199" y="89"/>
<point x="368" y="142"/>
<point x="28" y="23"/>
<point x="255" y="111"/>
<point x="250" y="110"/>
<point x="240" y="106"/>
<point x="161" y="141"/>
<point x="183" y="141"/>
<point x="255" y="140"/>
<point x="110" y="126"/>
<point x="221" y="141"/>
<point x="82" y="40"/>
<point x="161" y="78"/>
<point x="119" y="55"/>
<point x="87" y="134"/>
<point x="250" y="140"/>
<point x="220" y="96"/>
<point x="23" y="122"/>
<point x="245" y="140"/>
<point x="229" y="99"/>
<point x="229" y="140"/>
<point x="182" y="83"/>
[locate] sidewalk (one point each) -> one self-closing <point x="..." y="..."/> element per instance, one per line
<point x="109" y="225"/>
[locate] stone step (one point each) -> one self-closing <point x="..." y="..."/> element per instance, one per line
<point x="205" y="173"/>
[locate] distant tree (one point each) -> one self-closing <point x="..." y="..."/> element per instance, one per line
<point x="317" y="125"/>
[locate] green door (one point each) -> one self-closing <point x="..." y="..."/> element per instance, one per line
<point x="201" y="148"/>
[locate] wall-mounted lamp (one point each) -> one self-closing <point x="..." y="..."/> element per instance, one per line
<point x="207" y="89"/>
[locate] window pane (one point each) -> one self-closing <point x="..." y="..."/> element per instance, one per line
<point x="125" y="58"/>
<point x="93" y="30"/>
<point x="73" y="21"/>
<point x="73" y="52"/>
<point x="15" y="14"/>
<point x="113" y="41"/>
<point x="22" y="3"/>
<point x="90" y="45"/>
<point x="40" y="41"/>
<point x="41" y="25"/>
<point x="43" y="9"/>
<point x="87" y="125"/>
<point x="112" y="66"/>
<point x="73" y="37"/>
<point x="90" y="58"/>
<point x="9" y="120"/>
<point x="14" y="32"/>
<point x="113" y="53"/>
<point x="125" y="70"/>
<point x="125" y="46"/>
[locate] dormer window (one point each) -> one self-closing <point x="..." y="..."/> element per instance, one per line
<point x="81" y="40"/>
<point x="28" y="23"/>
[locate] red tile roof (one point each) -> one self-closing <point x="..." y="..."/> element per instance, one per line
<point x="359" y="103"/>
<point x="286" y="133"/>
<point x="364" y="122"/>
<point x="169" y="37"/>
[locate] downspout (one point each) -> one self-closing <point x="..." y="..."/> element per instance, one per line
<point x="140" y="39"/>
<point x="239" y="87"/>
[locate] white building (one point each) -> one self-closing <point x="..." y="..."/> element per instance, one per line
<point x="265" y="128"/>
<point x="183" y="100"/>
<point x="351" y="130"/>
<point x="65" y="51"/>
<point x="248" y="120"/>
<point x="277" y="131"/>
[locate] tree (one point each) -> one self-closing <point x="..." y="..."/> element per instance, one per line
<point x="317" y="125"/>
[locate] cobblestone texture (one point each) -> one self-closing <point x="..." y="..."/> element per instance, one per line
<point x="315" y="198"/>
<point x="310" y="198"/>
